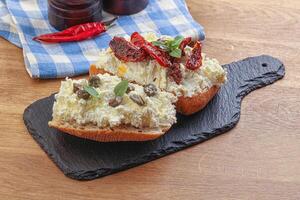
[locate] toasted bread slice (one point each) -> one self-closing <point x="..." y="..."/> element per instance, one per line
<point x="194" y="88"/>
<point x="184" y="105"/>
<point x="115" y="134"/>
<point x="105" y="117"/>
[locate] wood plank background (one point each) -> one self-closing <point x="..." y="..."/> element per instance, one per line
<point x="259" y="159"/>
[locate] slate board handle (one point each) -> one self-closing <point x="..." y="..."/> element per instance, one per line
<point x="258" y="72"/>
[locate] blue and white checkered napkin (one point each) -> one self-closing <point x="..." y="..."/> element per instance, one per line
<point x="21" y="20"/>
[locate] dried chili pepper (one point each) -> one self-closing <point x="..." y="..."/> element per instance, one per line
<point x="126" y="51"/>
<point x="76" y="33"/>
<point x="174" y="71"/>
<point x="184" y="43"/>
<point x="194" y="62"/>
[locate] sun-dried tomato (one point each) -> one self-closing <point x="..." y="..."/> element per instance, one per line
<point x="137" y="39"/>
<point x="184" y="43"/>
<point x="126" y="51"/>
<point x="159" y="55"/>
<point x="174" y="71"/>
<point x="194" y="62"/>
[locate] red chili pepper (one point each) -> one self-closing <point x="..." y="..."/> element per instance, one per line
<point x="195" y="60"/>
<point x="76" y="33"/>
<point x="160" y="56"/>
<point x="126" y="51"/>
<point x="184" y="43"/>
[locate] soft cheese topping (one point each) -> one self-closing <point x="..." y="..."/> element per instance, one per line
<point x="158" y="110"/>
<point x="211" y="73"/>
<point x="149" y="71"/>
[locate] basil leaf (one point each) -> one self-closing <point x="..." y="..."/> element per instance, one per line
<point x="121" y="88"/>
<point x="177" y="41"/>
<point x="157" y="43"/>
<point x="171" y="46"/>
<point x="176" y="53"/>
<point x="91" y="91"/>
<point x="160" y="44"/>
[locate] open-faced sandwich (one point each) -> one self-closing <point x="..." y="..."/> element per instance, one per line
<point x="106" y="108"/>
<point x="135" y="89"/>
<point x="170" y="64"/>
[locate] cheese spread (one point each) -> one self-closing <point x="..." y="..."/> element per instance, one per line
<point x="158" y="110"/>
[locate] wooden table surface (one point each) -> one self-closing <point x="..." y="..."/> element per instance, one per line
<point x="259" y="159"/>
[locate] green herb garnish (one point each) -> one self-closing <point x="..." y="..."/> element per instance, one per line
<point x="170" y="46"/>
<point x="121" y="88"/>
<point x="91" y="91"/>
<point x="161" y="44"/>
<point x="176" y="53"/>
<point x="177" y="41"/>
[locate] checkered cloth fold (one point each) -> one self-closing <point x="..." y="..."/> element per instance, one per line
<point x="21" y="20"/>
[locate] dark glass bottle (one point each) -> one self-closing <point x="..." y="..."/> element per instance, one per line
<point x="124" y="7"/>
<point x="63" y="14"/>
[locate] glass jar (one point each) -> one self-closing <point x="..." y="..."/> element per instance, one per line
<point x="124" y="7"/>
<point x="63" y="14"/>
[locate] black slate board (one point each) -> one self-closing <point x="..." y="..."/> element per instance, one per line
<point x="85" y="160"/>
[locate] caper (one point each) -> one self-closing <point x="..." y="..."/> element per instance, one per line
<point x="137" y="99"/>
<point x="76" y="87"/>
<point x="150" y="90"/>
<point x="82" y="94"/>
<point x="130" y="88"/>
<point x="94" y="81"/>
<point x="116" y="101"/>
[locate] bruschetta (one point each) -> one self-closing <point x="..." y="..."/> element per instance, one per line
<point x="174" y="65"/>
<point x="106" y="108"/>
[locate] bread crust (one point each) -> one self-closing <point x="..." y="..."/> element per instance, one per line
<point x="191" y="105"/>
<point x="184" y="105"/>
<point x="117" y="134"/>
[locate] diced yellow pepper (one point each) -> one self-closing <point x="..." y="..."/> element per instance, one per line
<point x="122" y="69"/>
